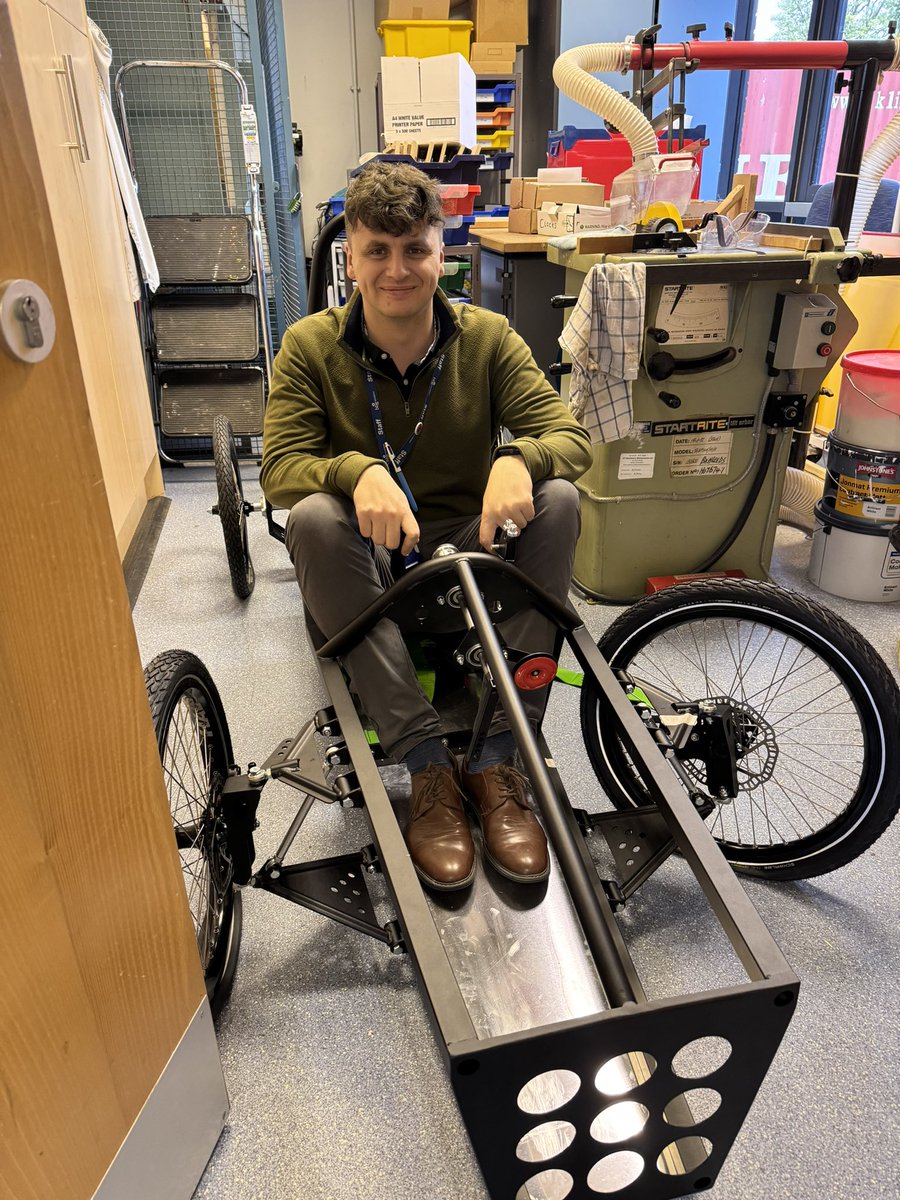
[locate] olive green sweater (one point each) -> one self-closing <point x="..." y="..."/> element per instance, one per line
<point x="318" y="428"/>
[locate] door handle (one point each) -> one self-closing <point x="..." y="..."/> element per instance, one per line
<point x="67" y="70"/>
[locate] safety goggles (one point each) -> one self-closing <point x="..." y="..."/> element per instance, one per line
<point x="743" y="232"/>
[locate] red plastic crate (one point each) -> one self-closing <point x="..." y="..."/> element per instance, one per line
<point x="458" y="199"/>
<point x="602" y="159"/>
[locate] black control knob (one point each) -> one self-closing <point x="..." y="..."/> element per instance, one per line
<point x="660" y="365"/>
<point x="670" y="399"/>
<point x="658" y="335"/>
<point x="828" y="328"/>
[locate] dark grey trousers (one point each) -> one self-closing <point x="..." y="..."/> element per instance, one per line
<point x="339" y="577"/>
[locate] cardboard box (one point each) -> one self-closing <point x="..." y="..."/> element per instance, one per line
<point x="489" y="67"/>
<point x="493" y="56"/>
<point x="535" y="194"/>
<point x="516" y="189"/>
<point x="522" y="220"/>
<point x="411" y="10"/>
<point x="554" y="220"/>
<point x="428" y="100"/>
<point x="501" y="20"/>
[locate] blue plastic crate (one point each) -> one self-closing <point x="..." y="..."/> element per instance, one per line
<point x="498" y="162"/>
<point x="501" y="94"/>
<point x="335" y="206"/>
<point x="463" y="168"/>
<point x="566" y="137"/>
<point x="456" y="230"/>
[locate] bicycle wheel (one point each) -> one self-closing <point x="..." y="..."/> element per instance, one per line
<point x="231" y="508"/>
<point x="816" y="714"/>
<point x="195" y="750"/>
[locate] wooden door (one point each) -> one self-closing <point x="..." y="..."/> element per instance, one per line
<point x="62" y="94"/>
<point x="99" y="974"/>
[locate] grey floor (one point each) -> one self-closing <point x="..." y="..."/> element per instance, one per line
<point x="337" y="1090"/>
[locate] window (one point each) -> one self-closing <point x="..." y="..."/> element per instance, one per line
<point x="789" y="123"/>
<point x="770" y="102"/>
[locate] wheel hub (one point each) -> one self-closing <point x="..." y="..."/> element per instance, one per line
<point x="751" y="740"/>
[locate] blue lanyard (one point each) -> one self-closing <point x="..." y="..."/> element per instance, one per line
<point x="396" y="460"/>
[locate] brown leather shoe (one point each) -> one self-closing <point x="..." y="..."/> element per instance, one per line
<point x="438" y="835"/>
<point x="513" y="840"/>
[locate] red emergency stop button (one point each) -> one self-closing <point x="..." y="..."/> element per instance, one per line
<point x="824" y="350"/>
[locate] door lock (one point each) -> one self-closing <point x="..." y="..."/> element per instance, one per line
<point x="27" y="323"/>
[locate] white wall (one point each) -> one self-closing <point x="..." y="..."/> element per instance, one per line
<point x="338" y="122"/>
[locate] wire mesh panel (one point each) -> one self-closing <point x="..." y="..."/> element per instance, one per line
<point x="287" y="223"/>
<point x="185" y="124"/>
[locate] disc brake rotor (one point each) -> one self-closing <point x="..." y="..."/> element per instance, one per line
<point x="758" y="747"/>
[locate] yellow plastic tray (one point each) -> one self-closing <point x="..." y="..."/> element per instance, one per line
<point x="500" y="139"/>
<point x="424" y="39"/>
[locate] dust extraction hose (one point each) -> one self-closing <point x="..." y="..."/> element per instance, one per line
<point x="571" y="74"/>
<point x="875" y="162"/>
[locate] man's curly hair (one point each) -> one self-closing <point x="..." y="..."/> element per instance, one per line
<point x="394" y="198"/>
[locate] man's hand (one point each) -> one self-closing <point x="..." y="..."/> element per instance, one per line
<point x="383" y="511"/>
<point x="507" y="497"/>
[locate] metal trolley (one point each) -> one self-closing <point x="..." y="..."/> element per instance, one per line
<point x="209" y="327"/>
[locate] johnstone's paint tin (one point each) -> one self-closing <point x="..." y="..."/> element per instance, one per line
<point x="852" y="560"/>
<point x="863" y="485"/>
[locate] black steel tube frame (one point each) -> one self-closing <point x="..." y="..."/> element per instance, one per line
<point x="607" y="961"/>
<point x="488" y="1073"/>
<point x="863" y="82"/>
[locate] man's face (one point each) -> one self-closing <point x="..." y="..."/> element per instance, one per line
<point x="397" y="276"/>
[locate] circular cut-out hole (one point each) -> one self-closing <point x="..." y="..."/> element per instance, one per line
<point x="692" y="1107"/>
<point x="701" y="1057"/>
<point x="683" y="1156"/>
<point x="624" y="1073"/>
<point x="619" y="1122"/>
<point x="547" y="1092"/>
<point x="549" y="1185"/>
<point x="334" y="889"/>
<point x="629" y="862"/>
<point x="545" y="1141"/>
<point x="622" y="845"/>
<point x="615" y="1172"/>
<point x="635" y="849"/>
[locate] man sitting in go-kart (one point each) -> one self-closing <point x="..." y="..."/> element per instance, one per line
<point x="381" y="431"/>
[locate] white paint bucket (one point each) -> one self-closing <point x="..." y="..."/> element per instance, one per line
<point x="863" y="485"/>
<point x="859" y="563"/>
<point x="868" y="412"/>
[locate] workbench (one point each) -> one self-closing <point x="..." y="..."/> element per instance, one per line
<point x="518" y="281"/>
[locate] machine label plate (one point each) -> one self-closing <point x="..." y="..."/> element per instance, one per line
<point x="694" y="312"/>
<point x="636" y="466"/>
<point x="698" y="454"/>
<point x="695" y="425"/>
